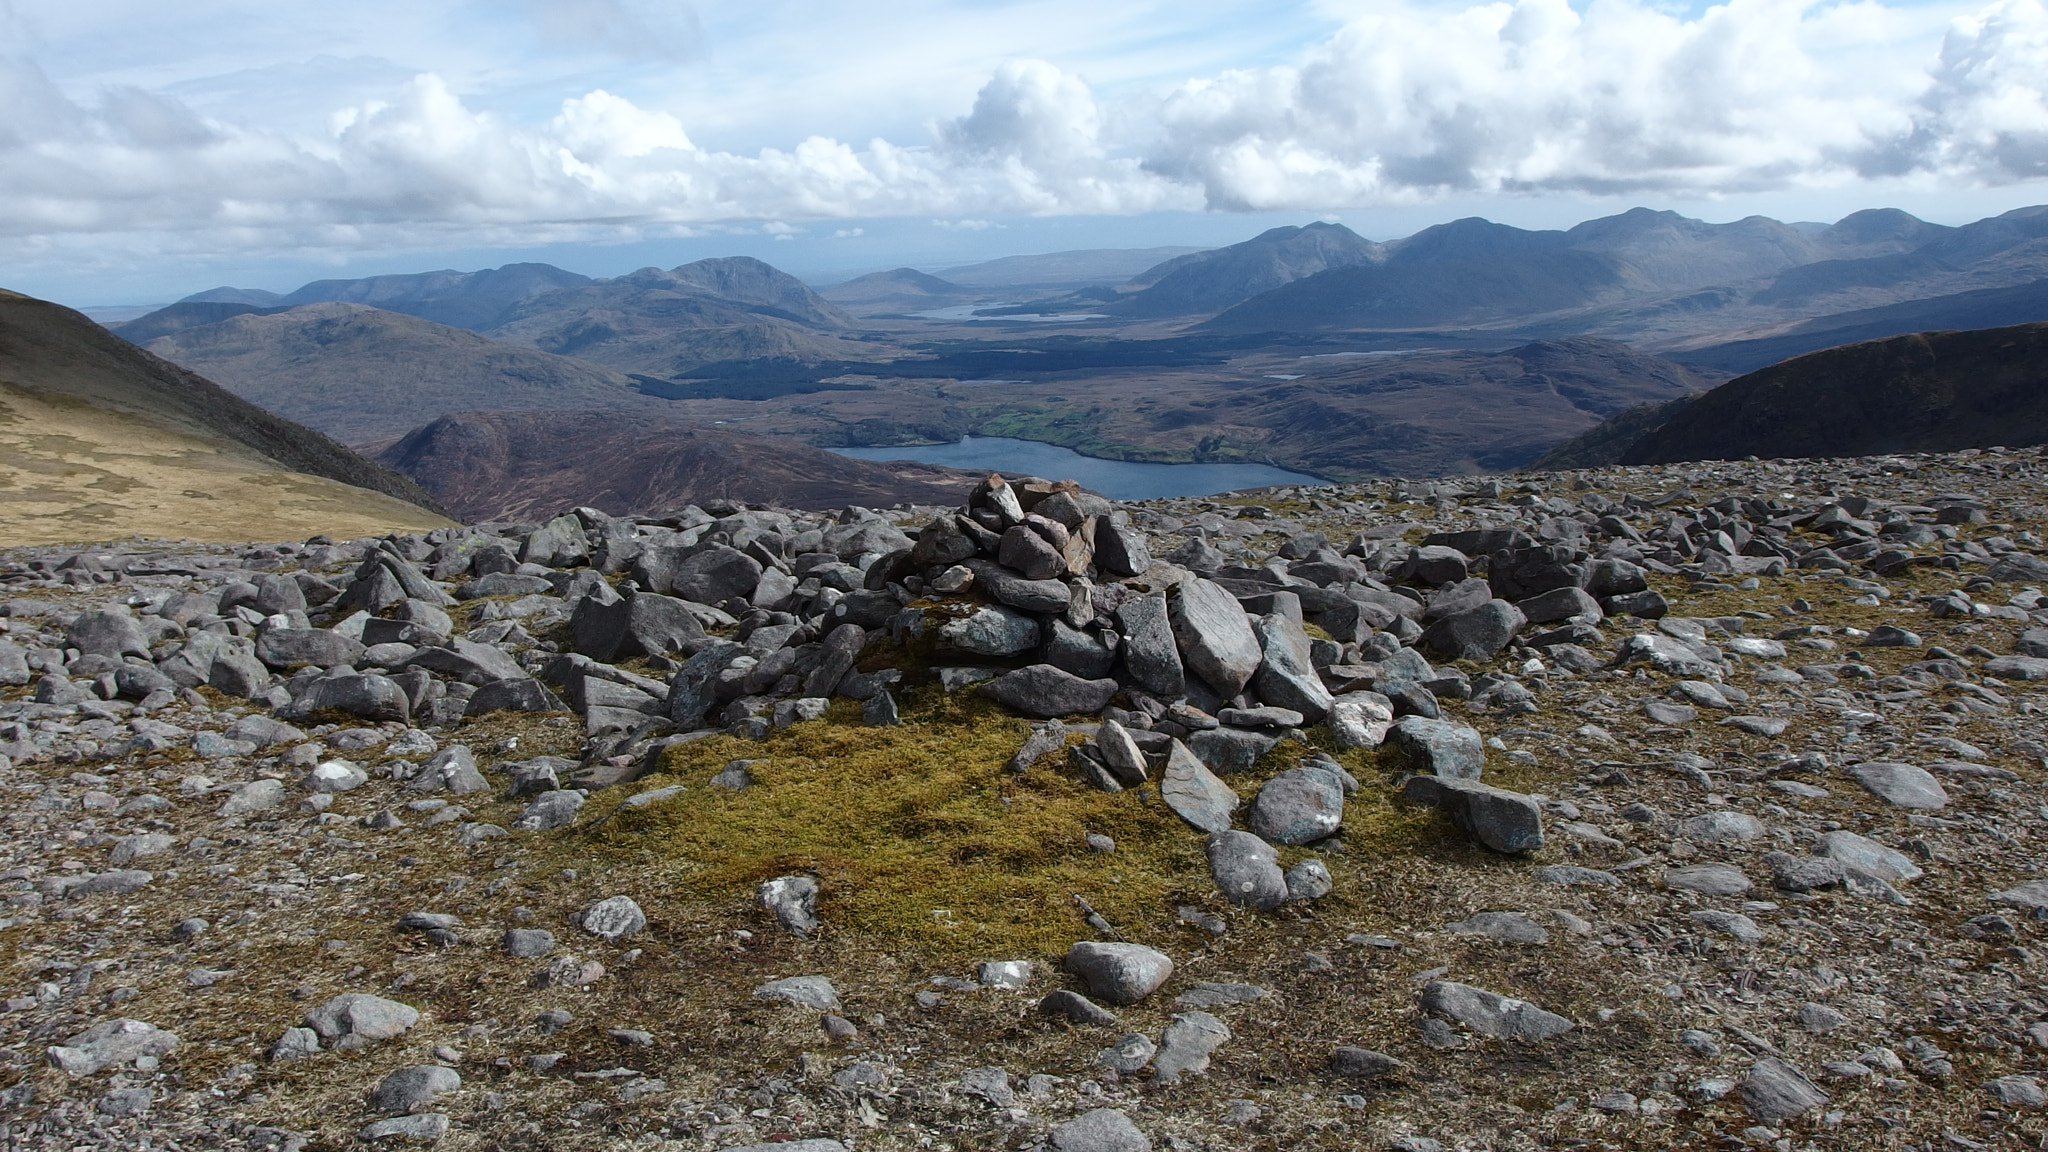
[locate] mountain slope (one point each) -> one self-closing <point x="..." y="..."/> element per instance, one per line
<point x="1983" y="308"/>
<point x="522" y="465"/>
<point x="103" y="438"/>
<point x="361" y="374"/>
<point x="1928" y="392"/>
<point x="1924" y="392"/>
<point x="185" y="314"/>
<point x="1432" y="413"/>
<point x="1657" y="279"/>
<point x="1212" y="280"/>
<point x="1479" y="290"/>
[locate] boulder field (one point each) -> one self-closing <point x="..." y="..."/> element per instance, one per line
<point x="1676" y="806"/>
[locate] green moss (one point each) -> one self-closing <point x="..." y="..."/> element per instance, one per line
<point x="918" y="834"/>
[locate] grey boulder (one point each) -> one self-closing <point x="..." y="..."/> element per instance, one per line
<point x="1043" y="691"/>
<point x="614" y="918"/>
<point x="1901" y="784"/>
<point x="549" y="810"/>
<point x="110" y="1044"/>
<point x="1297" y="806"/>
<point x="1215" y="636"/>
<point x="1502" y="820"/>
<point x="356" y="1018"/>
<point x="1476" y="634"/>
<point x="1102" y="1130"/>
<point x="992" y="630"/>
<point x="1247" y="870"/>
<point x="1117" y="972"/>
<point x="814" y="992"/>
<point x="1286" y="676"/>
<point x="293" y="647"/>
<point x="408" y="1088"/>
<point x="794" y="902"/>
<point x="1490" y="1013"/>
<point x="1774" y="1091"/>
<point x="1440" y="747"/>
<point x="1185" y="1046"/>
<point x="1149" y="654"/>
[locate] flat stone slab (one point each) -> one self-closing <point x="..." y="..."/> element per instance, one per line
<point x="1775" y="1091"/>
<point x="1196" y="794"/>
<point x="2033" y="895"/>
<point x="1901" y="784"/>
<point x="1867" y="855"/>
<point x="1510" y="927"/>
<point x="1208" y="994"/>
<point x="1708" y="879"/>
<point x="1490" y="1013"/>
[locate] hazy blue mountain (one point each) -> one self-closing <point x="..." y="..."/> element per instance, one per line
<point x="1079" y="267"/>
<point x="255" y="297"/>
<point x="1208" y="281"/>
<point x="473" y="300"/>
<point x="899" y="289"/>
<point x="1656" y="278"/>
<point x="665" y="322"/>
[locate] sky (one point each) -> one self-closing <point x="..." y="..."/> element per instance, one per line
<point x="151" y="150"/>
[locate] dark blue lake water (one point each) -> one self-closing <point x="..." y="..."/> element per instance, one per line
<point x="1116" y="479"/>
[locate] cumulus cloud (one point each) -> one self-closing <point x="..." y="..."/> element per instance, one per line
<point x="1403" y="104"/>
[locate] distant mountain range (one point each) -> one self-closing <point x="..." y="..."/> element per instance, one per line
<point x="1657" y="280"/>
<point x="103" y="439"/>
<point x="1925" y="392"/>
<point x="654" y="321"/>
<point x="1468" y="346"/>
<point x="362" y="374"/>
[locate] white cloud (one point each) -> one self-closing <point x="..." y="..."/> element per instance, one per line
<point x="1403" y="104"/>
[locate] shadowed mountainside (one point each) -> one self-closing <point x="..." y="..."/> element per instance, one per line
<point x="1925" y="392"/>
<point x="521" y="465"/>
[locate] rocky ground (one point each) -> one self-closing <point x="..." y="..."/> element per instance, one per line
<point x="1690" y="806"/>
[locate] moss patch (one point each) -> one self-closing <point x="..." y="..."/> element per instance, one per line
<point x="918" y="834"/>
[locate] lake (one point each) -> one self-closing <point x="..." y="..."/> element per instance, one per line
<point x="1116" y="479"/>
